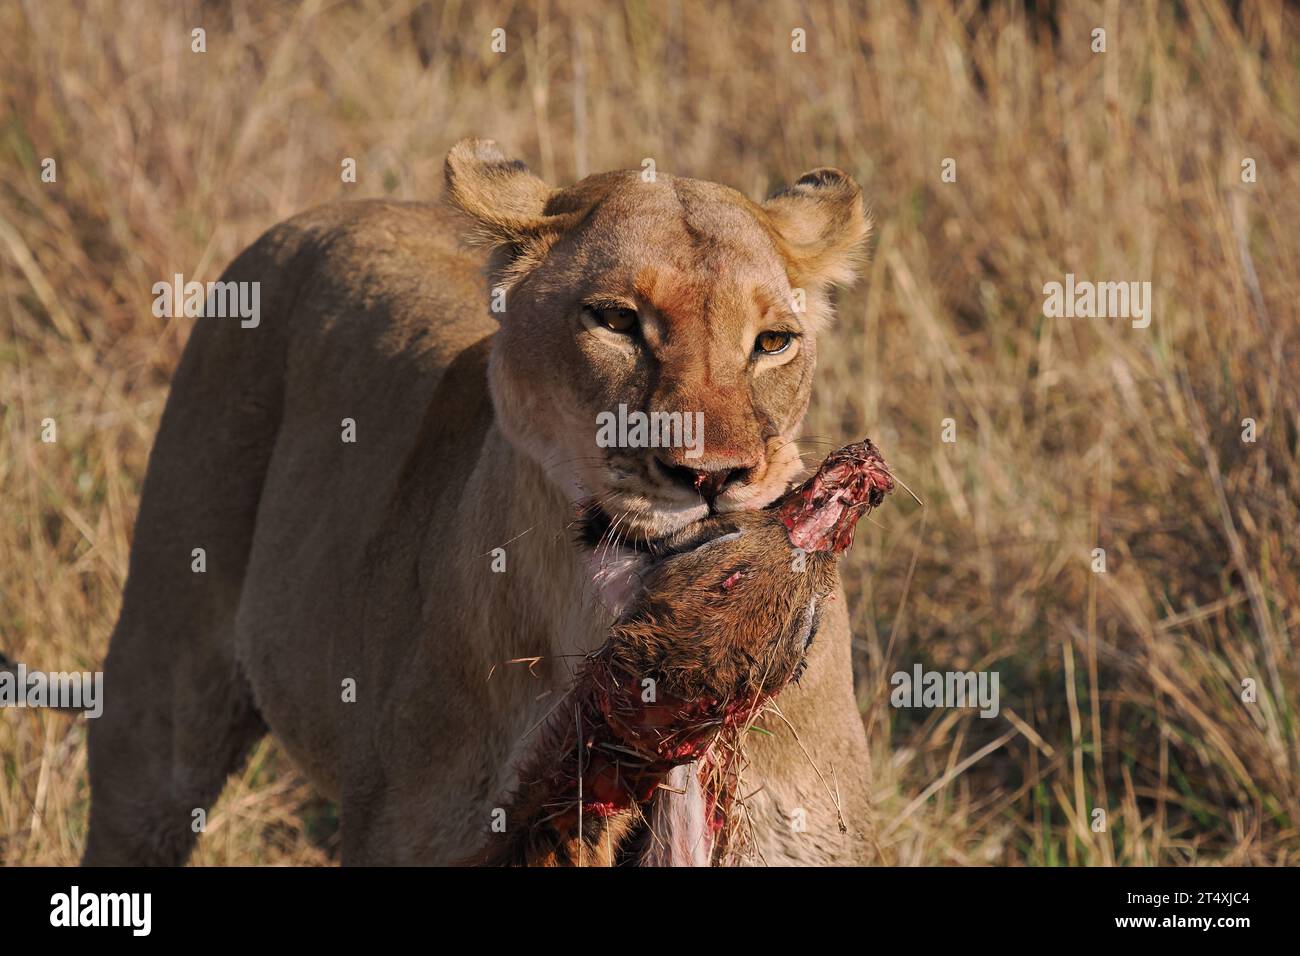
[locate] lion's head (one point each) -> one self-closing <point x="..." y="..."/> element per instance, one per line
<point x="658" y="334"/>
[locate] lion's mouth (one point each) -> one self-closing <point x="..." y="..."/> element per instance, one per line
<point x="638" y="519"/>
<point x="594" y="528"/>
<point x="618" y="556"/>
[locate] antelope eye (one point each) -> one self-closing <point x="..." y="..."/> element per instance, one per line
<point x="772" y="343"/>
<point x="623" y="321"/>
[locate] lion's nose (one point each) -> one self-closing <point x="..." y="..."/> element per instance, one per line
<point x="706" y="483"/>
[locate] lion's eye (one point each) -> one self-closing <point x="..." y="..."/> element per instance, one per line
<point x="772" y="343"/>
<point x="616" y="320"/>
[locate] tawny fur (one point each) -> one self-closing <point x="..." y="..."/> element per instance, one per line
<point x="371" y="561"/>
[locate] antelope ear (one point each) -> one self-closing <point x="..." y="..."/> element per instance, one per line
<point x="506" y="201"/>
<point x="823" y="225"/>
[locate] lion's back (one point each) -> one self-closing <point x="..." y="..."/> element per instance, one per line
<point x="284" y="443"/>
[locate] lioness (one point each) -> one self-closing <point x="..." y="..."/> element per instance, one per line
<point x="381" y="477"/>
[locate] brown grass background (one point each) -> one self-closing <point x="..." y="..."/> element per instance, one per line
<point x="1120" y="691"/>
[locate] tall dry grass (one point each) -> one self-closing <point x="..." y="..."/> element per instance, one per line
<point x="1120" y="691"/>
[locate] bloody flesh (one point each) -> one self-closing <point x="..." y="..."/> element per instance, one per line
<point x="606" y="749"/>
<point x="820" y="514"/>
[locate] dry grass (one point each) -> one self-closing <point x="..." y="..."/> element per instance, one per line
<point x="1119" y="691"/>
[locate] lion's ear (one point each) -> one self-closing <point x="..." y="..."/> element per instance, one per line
<point x="823" y="225"/>
<point x="500" y="194"/>
<point x="507" y="201"/>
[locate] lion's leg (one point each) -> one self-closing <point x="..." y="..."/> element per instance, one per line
<point x="178" y="716"/>
<point x="163" y="748"/>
